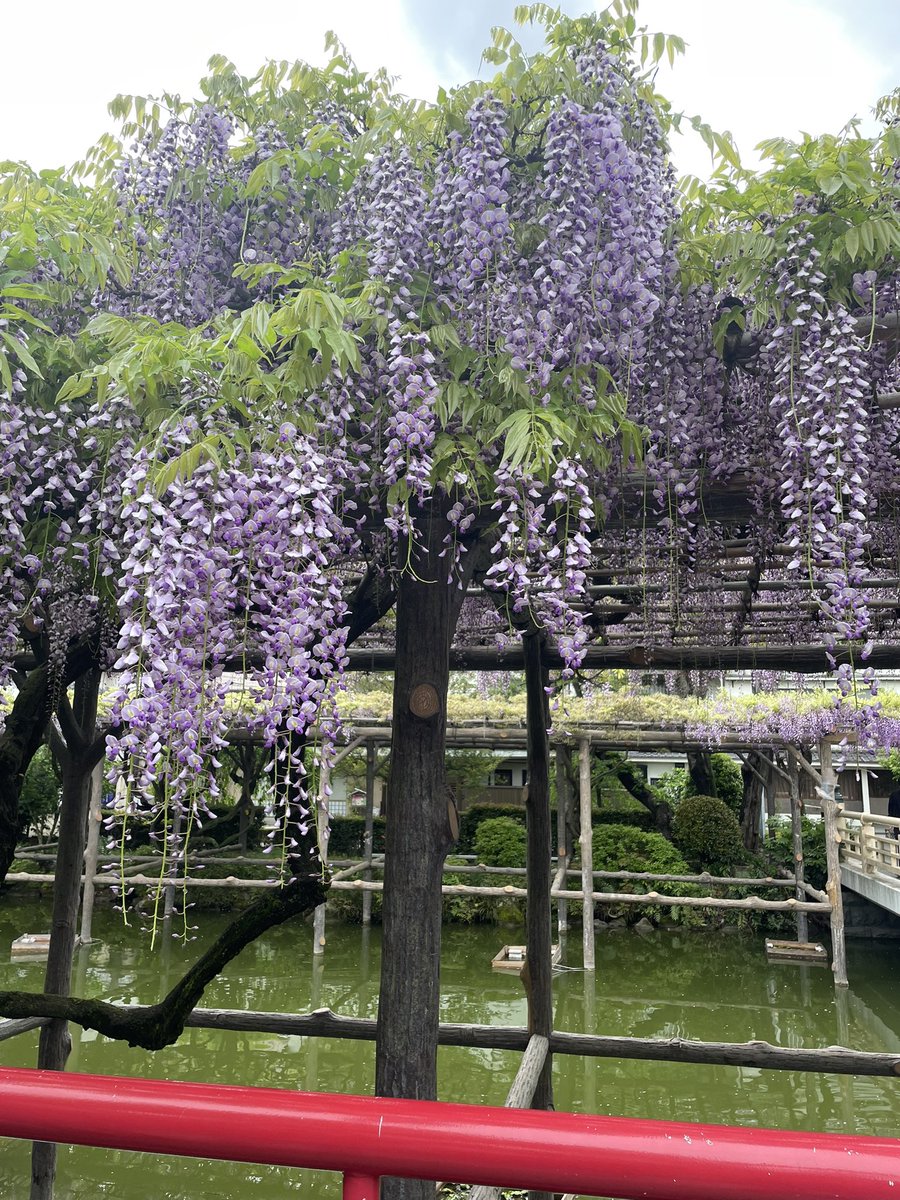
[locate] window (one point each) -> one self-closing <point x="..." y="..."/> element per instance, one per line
<point x="500" y="778"/>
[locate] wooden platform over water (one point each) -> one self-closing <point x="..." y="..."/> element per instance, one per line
<point x="512" y="958"/>
<point x="29" y="946"/>
<point x="808" y="952"/>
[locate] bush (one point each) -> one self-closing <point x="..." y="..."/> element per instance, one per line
<point x="729" y="782"/>
<point x="500" y="842"/>
<point x="473" y="817"/>
<point x="39" y="798"/>
<point x="780" y="849"/>
<point x="707" y="832"/>
<point x="672" y="787"/>
<point x="348" y="834"/>
<point x="624" y="848"/>
<point x="638" y="818"/>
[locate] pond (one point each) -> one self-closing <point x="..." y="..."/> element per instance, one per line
<point x="692" y="984"/>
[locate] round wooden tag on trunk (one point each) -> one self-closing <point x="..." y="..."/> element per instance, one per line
<point x="424" y="701"/>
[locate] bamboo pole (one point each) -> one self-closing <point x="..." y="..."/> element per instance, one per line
<point x="830" y="811"/>
<point x="586" y="849"/>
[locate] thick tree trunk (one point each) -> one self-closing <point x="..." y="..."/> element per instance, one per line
<point x="77" y="766"/>
<point x="757" y="776"/>
<point x="417" y="836"/>
<point x="701" y="772"/>
<point x="23" y="732"/>
<point x="538" y="973"/>
<point x="635" y="784"/>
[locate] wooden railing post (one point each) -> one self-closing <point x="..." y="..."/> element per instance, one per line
<point x="797" y="845"/>
<point x="868" y="846"/>
<point x="587" y="853"/>
<point x="830" y="813"/>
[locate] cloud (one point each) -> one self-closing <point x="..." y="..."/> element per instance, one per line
<point x="777" y="67"/>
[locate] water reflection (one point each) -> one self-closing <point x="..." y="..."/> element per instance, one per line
<point x="714" y="987"/>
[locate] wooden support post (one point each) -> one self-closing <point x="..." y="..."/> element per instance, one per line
<point x="832" y="854"/>
<point x="322" y="839"/>
<point x="797" y="845"/>
<point x="520" y="1095"/>
<point x="176" y="862"/>
<point x="537" y="975"/>
<point x="563" y="800"/>
<point x="587" y="853"/>
<point x="75" y="755"/>
<point x="370" y="822"/>
<point x="95" y="818"/>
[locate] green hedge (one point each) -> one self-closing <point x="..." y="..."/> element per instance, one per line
<point x="473" y="817"/>
<point x="348" y="834"/>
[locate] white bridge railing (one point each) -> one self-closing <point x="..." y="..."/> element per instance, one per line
<point x="871" y="844"/>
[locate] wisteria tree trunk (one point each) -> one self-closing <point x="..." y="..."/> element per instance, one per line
<point x="538" y="971"/>
<point x="22" y="735"/>
<point x="78" y="759"/>
<point x="417" y="836"/>
<point x="701" y="772"/>
<point x="23" y="732"/>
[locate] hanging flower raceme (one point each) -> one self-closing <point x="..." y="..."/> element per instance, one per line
<point x="15" y="566"/>
<point x="542" y="554"/>
<point x="229" y="570"/>
<point x="410" y="392"/>
<point x="822" y="441"/>
<point x="185" y="241"/>
<point x="470" y="223"/>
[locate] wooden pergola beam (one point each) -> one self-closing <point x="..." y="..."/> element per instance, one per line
<point x="798" y="659"/>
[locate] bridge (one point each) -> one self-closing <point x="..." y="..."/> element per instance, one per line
<point x="870" y="858"/>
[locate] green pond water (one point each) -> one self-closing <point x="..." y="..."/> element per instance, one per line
<point x="714" y="986"/>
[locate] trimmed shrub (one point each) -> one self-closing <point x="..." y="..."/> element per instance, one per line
<point x="500" y="842"/>
<point x="729" y="782"/>
<point x="348" y="834"/>
<point x="473" y="817"/>
<point x="707" y="832"/>
<point x="624" y="848"/>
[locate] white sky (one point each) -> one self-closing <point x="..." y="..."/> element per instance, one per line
<point x="759" y="69"/>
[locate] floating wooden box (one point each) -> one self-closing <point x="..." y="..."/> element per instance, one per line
<point x="512" y="958"/>
<point x="812" y="952"/>
<point x="30" y="945"/>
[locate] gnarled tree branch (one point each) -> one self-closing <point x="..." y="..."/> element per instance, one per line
<point x="154" y="1026"/>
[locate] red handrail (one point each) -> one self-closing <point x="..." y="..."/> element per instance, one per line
<point x="367" y="1137"/>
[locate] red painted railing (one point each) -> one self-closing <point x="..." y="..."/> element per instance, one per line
<point x="366" y="1137"/>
